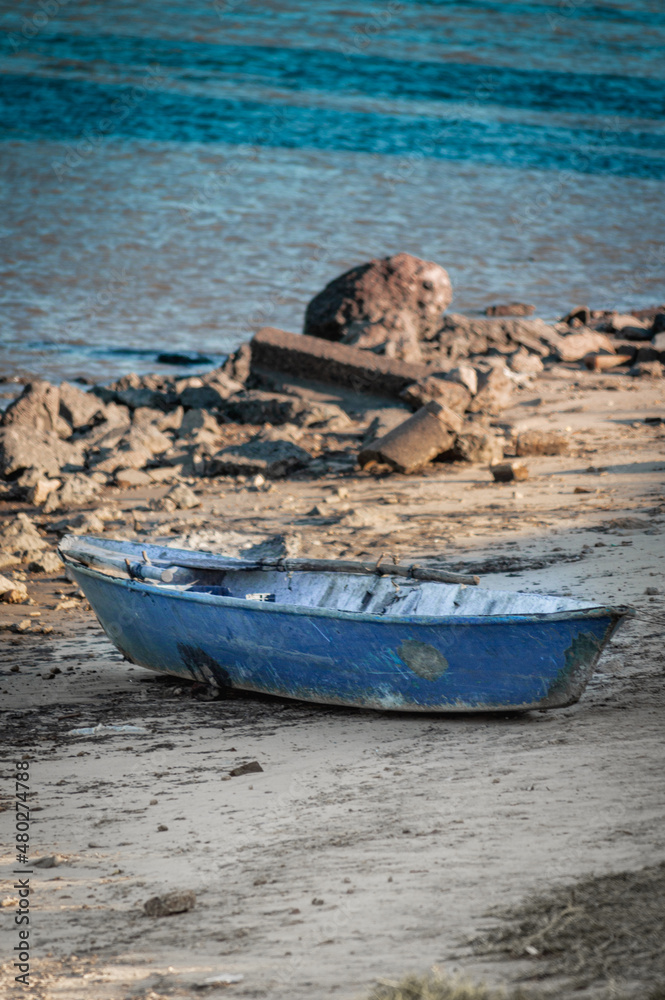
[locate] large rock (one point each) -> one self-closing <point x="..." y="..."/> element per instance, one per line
<point x="396" y="300"/>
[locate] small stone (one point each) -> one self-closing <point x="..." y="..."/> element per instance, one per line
<point x="253" y="767"/>
<point x="506" y="472"/>
<point x="22" y="626"/>
<point x="18" y="594"/>
<point x="652" y="591"/>
<point x="169" y="903"/>
<point x="161" y="828"/>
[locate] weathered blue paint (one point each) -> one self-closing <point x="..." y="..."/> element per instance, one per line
<point x="407" y="663"/>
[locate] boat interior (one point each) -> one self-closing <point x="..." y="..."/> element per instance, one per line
<point x="205" y="573"/>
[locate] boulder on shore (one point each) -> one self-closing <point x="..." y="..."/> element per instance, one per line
<point x="386" y="305"/>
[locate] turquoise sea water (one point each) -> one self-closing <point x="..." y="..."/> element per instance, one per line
<point x="176" y="174"/>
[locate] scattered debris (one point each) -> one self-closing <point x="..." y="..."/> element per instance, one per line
<point x="221" y="979"/>
<point x="103" y="730"/>
<point x="602" y="928"/>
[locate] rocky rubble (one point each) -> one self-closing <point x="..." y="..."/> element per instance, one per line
<point x="432" y="386"/>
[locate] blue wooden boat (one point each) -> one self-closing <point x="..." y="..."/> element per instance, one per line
<point x="352" y="634"/>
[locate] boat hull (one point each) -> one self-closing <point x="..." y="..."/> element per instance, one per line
<point x="453" y="664"/>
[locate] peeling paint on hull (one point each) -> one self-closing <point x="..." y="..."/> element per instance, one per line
<point x="386" y="662"/>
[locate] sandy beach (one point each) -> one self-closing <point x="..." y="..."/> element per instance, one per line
<point x="371" y="844"/>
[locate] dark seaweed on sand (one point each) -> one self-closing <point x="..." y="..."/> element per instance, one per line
<point x="608" y="928"/>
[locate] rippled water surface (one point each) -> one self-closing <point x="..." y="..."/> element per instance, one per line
<point x="175" y="175"/>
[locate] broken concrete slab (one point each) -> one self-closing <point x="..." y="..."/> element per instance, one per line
<point x="39" y="493"/>
<point x="314" y="358"/>
<point x="257" y="407"/>
<point x="396" y="338"/>
<point x="382" y="420"/>
<point x="415" y="442"/>
<point x="179" y="497"/>
<point x="524" y="363"/>
<point x="77" y="489"/>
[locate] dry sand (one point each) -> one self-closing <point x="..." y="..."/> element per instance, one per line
<point x="372" y="844"/>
